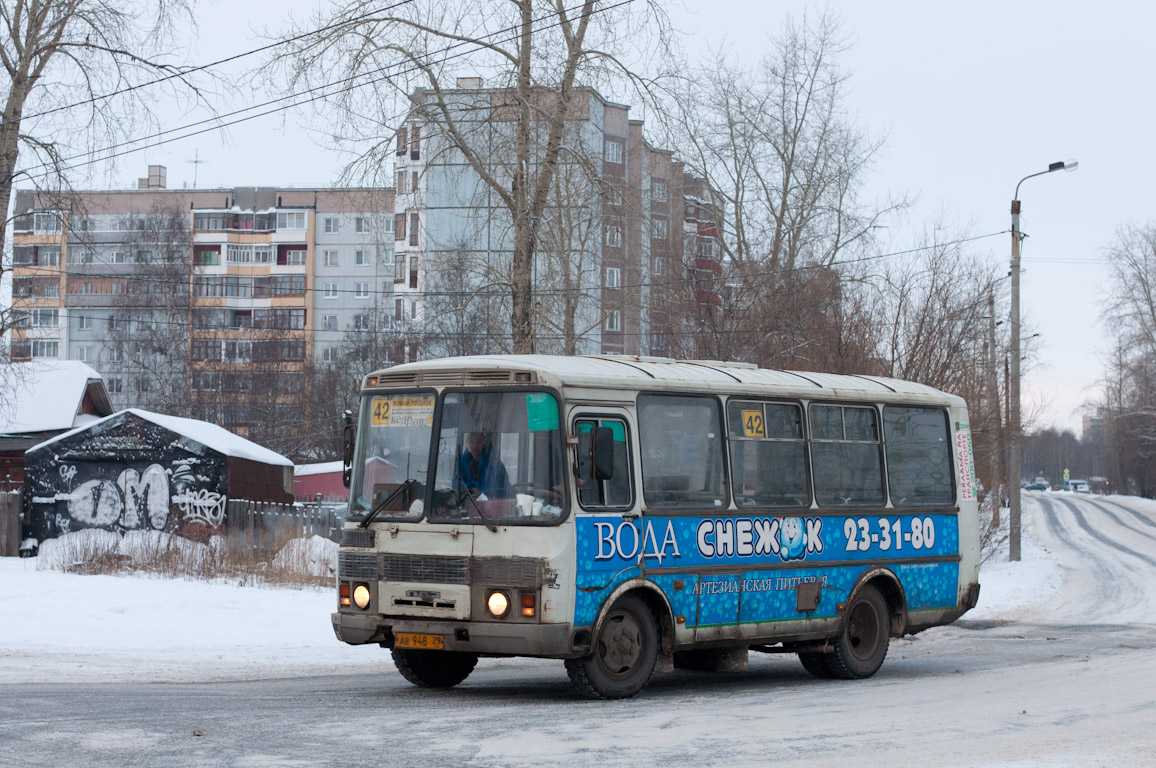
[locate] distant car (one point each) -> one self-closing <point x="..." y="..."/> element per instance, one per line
<point x="1058" y="487"/>
<point x="1079" y="486"/>
<point x="1037" y="486"/>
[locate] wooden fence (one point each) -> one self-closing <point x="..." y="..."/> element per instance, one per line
<point x="265" y="525"/>
<point x="10" y="523"/>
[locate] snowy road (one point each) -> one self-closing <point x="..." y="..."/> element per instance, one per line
<point x="1057" y="667"/>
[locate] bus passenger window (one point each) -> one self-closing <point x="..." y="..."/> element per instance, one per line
<point x="768" y="455"/>
<point x="918" y="456"/>
<point x="845" y="456"/>
<point x="682" y="452"/>
<point x="616" y="491"/>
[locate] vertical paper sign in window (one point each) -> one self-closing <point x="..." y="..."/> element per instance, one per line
<point x="768" y="455"/>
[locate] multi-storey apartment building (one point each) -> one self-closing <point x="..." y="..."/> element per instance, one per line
<point x="210" y="303"/>
<point x="612" y="242"/>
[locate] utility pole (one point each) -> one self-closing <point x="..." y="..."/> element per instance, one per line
<point x="1014" y="379"/>
<point x="1013" y="475"/>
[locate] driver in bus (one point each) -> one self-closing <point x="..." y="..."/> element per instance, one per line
<point x="480" y="471"/>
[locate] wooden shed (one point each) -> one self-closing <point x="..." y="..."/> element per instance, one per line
<point x="148" y="471"/>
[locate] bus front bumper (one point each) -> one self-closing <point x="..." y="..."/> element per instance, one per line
<point x="544" y="640"/>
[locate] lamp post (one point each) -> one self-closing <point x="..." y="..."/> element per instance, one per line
<point x="1014" y="377"/>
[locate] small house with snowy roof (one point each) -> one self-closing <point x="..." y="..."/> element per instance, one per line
<point x="138" y="470"/>
<point x="41" y="399"/>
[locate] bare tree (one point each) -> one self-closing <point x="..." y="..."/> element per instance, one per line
<point x="73" y="66"/>
<point x="534" y="56"/>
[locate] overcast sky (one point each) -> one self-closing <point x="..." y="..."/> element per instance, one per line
<point x="971" y="97"/>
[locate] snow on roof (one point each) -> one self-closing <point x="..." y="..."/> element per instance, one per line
<point x="301" y="470"/>
<point x="209" y="435"/>
<point x="43" y="396"/>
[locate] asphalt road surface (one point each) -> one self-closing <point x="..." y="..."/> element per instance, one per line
<point x="1069" y="681"/>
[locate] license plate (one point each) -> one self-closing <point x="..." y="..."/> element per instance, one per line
<point x="414" y="640"/>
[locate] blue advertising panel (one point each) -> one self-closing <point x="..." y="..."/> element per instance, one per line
<point x="770" y="556"/>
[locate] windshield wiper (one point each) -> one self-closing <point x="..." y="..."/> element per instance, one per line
<point x="385" y="502"/>
<point x="492" y="528"/>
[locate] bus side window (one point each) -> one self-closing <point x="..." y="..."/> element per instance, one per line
<point x="846" y="455"/>
<point x="611" y="487"/>
<point x="919" y="468"/>
<point x="768" y="454"/>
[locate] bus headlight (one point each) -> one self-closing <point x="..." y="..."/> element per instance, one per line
<point x="498" y="604"/>
<point x="361" y="596"/>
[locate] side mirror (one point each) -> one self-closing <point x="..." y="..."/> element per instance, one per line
<point x="603" y="458"/>
<point x="347" y="448"/>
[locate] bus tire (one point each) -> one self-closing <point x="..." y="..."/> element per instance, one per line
<point x="816" y="664"/>
<point x="623" y="656"/>
<point x="860" y="649"/>
<point x="434" y="669"/>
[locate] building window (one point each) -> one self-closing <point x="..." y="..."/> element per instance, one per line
<point x="613" y="151"/>
<point x="330" y="291"/>
<point x="115" y="386"/>
<point x="361" y="225"/>
<point x="84" y="354"/>
<point x="658" y="190"/>
<point x="399" y="268"/>
<point x="291" y="220"/>
<point x="614" y="235"/>
<point x="658" y="229"/>
<point x="402" y="182"/>
<point x="659" y="266"/>
<point x="361" y="322"/>
<point x="361" y="291"/>
<point x="48" y="257"/>
<point x="614" y="320"/>
<point x="84" y="322"/>
<point x="143" y="386"/>
<point x="46" y="318"/>
<point x="262" y="254"/>
<point x="46" y="223"/>
<point x="295" y="257"/>
<point x="414" y="263"/>
<point x="331" y="226"/>
<point x="361" y="258"/>
<point x="205" y="257"/>
<point x="87" y="256"/>
<point x="238" y="254"/>
<point x="143" y="257"/>
<point x="329" y="322"/>
<point x="117" y="257"/>
<point x="413" y="222"/>
<point x="116" y="288"/>
<point x="614" y="196"/>
<point x="116" y="355"/>
<point x="328" y="355"/>
<point x="399" y="226"/>
<point x="613" y="277"/>
<point x="402" y="141"/>
<point x="330" y="258"/>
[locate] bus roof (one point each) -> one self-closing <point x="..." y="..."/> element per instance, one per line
<point x="650" y="373"/>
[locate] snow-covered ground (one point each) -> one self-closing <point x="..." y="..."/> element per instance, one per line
<point x="1053" y="668"/>
<point x="57" y="626"/>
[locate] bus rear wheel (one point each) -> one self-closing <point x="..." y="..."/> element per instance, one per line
<point x="623" y="657"/>
<point x="434" y="669"/>
<point x="859" y="651"/>
<point x="816" y="664"/>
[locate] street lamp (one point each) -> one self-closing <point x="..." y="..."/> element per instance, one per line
<point x="1014" y="383"/>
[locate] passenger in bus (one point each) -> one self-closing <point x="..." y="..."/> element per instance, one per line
<point x="480" y="471"/>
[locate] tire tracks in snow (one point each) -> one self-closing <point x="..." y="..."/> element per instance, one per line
<point x="1099" y="535"/>
<point x="1134" y="512"/>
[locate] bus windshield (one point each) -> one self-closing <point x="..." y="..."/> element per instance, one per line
<point x="499" y="459"/>
<point x="394" y="433"/>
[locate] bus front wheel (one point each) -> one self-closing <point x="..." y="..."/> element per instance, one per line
<point x="623" y="657"/>
<point x="859" y="651"/>
<point x="434" y="669"/>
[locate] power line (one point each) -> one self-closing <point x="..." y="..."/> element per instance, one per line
<point x="349" y="84"/>
<point x="185" y="72"/>
<point x="592" y="291"/>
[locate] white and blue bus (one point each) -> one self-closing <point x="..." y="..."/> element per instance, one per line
<point x="628" y="514"/>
